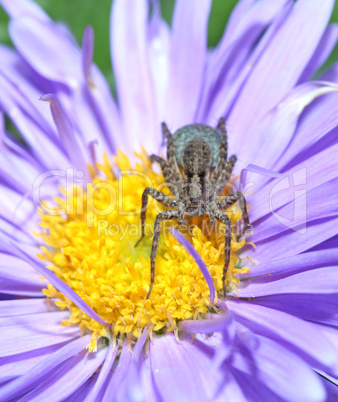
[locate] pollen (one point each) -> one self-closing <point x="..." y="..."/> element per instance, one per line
<point x="90" y="246"/>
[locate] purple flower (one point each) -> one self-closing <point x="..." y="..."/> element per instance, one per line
<point x="276" y="339"/>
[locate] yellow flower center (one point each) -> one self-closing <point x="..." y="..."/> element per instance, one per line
<point x="91" y="247"/>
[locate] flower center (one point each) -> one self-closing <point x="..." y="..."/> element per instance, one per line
<point x="91" y="247"/>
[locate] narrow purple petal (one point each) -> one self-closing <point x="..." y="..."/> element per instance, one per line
<point x="259" y="170"/>
<point x="96" y="111"/>
<point x="132" y="387"/>
<point x="119" y="375"/>
<point x="66" y="132"/>
<point x="201" y="265"/>
<point x="298" y="334"/>
<point x="29" y="332"/>
<point x="103" y="375"/>
<point x="87" y="54"/>
<point x="67" y="377"/>
<point x="286" y="57"/>
<point x="29" y="380"/>
<point x="316" y="281"/>
<point x="296" y="263"/>
<point x="62" y="287"/>
<point x="207" y="326"/>
<point x="187" y="60"/>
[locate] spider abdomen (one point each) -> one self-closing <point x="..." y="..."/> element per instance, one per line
<point x="185" y="134"/>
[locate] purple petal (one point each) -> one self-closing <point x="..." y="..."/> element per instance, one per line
<point x="299" y="335"/>
<point x="286" y="57"/>
<point x="303" y="177"/>
<point x="323" y="51"/>
<point x="176" y="371"/>
<point x="295" y="263"/>
<point x="228" y="65"/>
<point x="316" y="281"/>
<point x="11" y="308"/>
<point x="321" y="308"/>
<point x="286" y="374"/>
<point x="60" y="62"/>
<point x="305" y="207"/>
<point x="17" y="277"/>
<point x="47" y="151"/>
<point x="331" y="74"/>
<point x="252" y="388"/>
<point x="187" y="60"/>
<point x="19" y="364"/>
<point x="315" y="125"/>
<point x="277" y="128"/>
<point x="132" y="387"/>
<point x="24" y="333"/>
<point x="119" y="375"/>
<point x="201" y="265"/>
<point x="19" y="8"/>
<point x="291" y="243"/>
<point x="130" y="60"/>
<point x="29" y="380"/>
<point x="159" y="58"/>
<point x="62" y="287"/>
<point x="77" y="368"/>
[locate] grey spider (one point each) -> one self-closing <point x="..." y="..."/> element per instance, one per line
<point x="195" y="194"/>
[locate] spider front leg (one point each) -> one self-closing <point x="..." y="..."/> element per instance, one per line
<point x="158" y="196"/>
<point x="226" y="202"/>
<point x="165" y="215"/>
<point x="223" y="217"/>
<point x="223" y="150"/>
<point x="170" y="178"/>
<point x="171" y="157"/>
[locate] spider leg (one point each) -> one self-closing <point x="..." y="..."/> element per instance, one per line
<point x="158" y="196"/>
<point x="168" y="175"/>
<point x="223" y="150"/>
<point x="223" y="217"/>
<point x="231" y="199"/>
<point x="165" y="215"/>
<point x="171" y="157"/>
<point x="225" y="174"/>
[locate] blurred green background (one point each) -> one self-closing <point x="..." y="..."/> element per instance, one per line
<point x="79" y="13"/>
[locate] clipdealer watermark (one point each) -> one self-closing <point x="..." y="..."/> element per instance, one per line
<point x="284" y="198"/>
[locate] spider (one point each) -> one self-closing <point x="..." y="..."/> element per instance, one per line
<point x="195" y="194"/>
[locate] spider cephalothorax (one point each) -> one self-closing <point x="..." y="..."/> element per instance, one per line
<point x="195" y="194"/>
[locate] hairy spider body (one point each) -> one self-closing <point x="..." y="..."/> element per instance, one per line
<point x="194" y="149"/>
